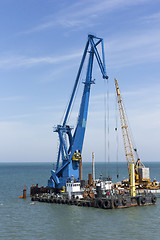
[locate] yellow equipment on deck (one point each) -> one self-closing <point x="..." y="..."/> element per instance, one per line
<point x="132" y="180"/>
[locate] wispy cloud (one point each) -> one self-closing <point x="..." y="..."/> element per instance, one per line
<point x="124" y="51"/>
<point x="80" y="15"/>
<point x="23" y="61"/>
<point x="152" y="18"/>
<point x="58" y="71"/>
<point x="128" y="49"/>
<point x="140" y="47"/>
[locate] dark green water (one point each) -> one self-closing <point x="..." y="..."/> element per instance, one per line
<point x="21" y="220"/>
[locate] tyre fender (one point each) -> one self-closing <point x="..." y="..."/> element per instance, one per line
<point x="106" y="204"/>
<point x="124" y="201"/>
<point x="116" y="202"/>
<point x="143" y="200"/>
<point x="154" y="199"/>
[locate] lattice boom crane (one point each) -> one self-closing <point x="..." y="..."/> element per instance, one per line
<point x="141" y="172"/>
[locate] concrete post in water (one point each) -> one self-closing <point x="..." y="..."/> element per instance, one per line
<point x="93" y="170"/>
<point x="132" y="180"/>
<point x="24" y="192"/>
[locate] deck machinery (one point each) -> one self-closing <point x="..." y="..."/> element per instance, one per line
<point x="69" y="153"/>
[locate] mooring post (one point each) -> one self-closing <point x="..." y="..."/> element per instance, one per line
<point x="24" y="192"/>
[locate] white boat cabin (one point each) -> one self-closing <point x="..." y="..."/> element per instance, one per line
<point x="73" y="190"/>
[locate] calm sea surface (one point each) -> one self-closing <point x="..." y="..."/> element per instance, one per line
<point x="19" y="220"/>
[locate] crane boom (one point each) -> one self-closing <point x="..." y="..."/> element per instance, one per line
<point x="125" y="130"/>
<point x="141" y="173"/>
<point x="70" y="154"/>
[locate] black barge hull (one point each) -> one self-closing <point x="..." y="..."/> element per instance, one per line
<point x="104" y="203"/>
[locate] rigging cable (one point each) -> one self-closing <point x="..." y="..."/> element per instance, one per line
<point x="106" y="127"/>
<point x="132" y="138"/>
<point x="131" y="134"/>
<point x="117" y="139"/>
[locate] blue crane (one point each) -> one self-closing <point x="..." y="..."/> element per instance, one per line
<point x="70" y="154"/>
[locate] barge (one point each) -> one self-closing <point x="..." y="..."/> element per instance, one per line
<point x="108" y="202"/>
<point x="102" y="195"/>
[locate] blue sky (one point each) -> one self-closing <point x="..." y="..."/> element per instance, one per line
<point x="41" y="46"/>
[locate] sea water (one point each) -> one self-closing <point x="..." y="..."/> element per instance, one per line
<point x="21" y="220"/>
